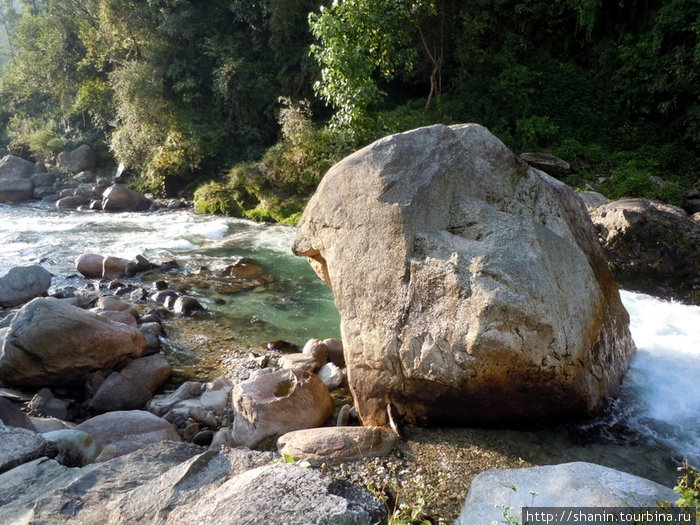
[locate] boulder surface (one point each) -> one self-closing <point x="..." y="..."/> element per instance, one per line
<point x="51" y="342"/>
<point x="23" y="283"/>
<point x="471" y="287"/>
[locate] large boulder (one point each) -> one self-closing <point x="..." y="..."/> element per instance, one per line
<point x="50" y="342"/>
<point x="12" y="167"/>
<point x="23" y="283"/>
<point x="651" y="247"/>
<point x="471" y="287"/>
<point x="16" y="190"/>
<point x="19" y="445"/>
<point x="567" y="485"/>
<point x="119" y="198"/>
<point x="78" y="160"/>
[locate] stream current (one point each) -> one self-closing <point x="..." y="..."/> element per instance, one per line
<point x="656" y="416"/>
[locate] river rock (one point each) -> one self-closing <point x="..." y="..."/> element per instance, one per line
<point x="117" y="317"/>
<point x="75" y="447"/>
<point x="651" y="247"/>
<point x="471" y="287"/>
<point x="124" y="431"/>
<point x="45" y="403"/>
<point x="50" y="342"/>
<point x="335" y="351"/>
<point x="12" y="416"/>
<point x="292" y="495"/>
<point x="162" y="404"/>
<point x="19" y="445"/>
<point x="548" y="163"/>
<point x="331" y="375"/>
<point x="80" y="159"/>
<point x="277" y="402"/>
<point x="12" y="167"/>
<point x="114" y="267"/>
<point x="118" y="392"/>
<point x="90" y="265"/>
<point x="593" y="199"/>
<point x="152" y="332"/>
<point x="152" y="372"/>
<point x="71" y="202"/>
<point x="43" y="179"/>
<point x="576" y="484"/>
<point x="23" y="283"/>
<point x="16" y="190"/>
<point x="185" y="305"/>
<point x="299" y="362"/>
<point x="119" y="198"/>
<point x="337" y="444"/>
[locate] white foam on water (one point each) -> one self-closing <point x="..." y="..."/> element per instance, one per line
<point x="662" y="387"/>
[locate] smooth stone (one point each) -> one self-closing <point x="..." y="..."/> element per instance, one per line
<point x="76" y="448"/>
<point x="152" y="372"/>
<point x="23" y="283"/>
<point x="118" y="392"/>
<point x="12" y="416"/>
<point x="337" y="444"/>
<point x="331" y="375"/>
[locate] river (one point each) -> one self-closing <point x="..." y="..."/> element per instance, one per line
<point x="659" y="406"/>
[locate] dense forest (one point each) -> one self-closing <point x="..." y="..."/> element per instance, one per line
<point x="246" y="104"/>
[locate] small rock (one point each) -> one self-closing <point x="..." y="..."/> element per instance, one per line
<point x="75" y="447"/>
<point x="152" y="371"/>
<point x="331" y="375"/>
<point x="187" y="306"/>
<point x="118" y="392"/>
<point x="203" y="438"/>
<point x="335" y="351"/>
<point x="204" y="417"/>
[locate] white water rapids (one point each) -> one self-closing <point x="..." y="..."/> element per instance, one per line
<point x="660" y="399"/>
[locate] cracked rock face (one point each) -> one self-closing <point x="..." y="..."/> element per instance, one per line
<point x="470" y="286"/>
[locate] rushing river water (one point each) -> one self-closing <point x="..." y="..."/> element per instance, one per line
<point x="658" y="409"/>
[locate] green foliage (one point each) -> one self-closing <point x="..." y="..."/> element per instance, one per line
<point x="688" y="487"/>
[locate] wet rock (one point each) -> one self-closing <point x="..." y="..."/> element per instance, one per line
<point x="152" y="332"/>
<point x="244" y="269"/>
<point x="187" y="306"/>
<point x="118" y="392"/>
<point x="278" y="402"/>
<point x="12" y="416"/>
<point x="119" y="198"/>
<point x="90" y="265"/>
<point x="151" y="372"/>
<point x="476" y="276"/>
<point x="164" y="297"/>
<point x="567" y="485"/>
<point x="337" y="444"/>
<point x="19" y="445"/>
<point x="293" y="496"/>
<point x="75" y="448"/>
<point x="107" y="302"/>
<point x="45" y="193"/>
<point x="51" y="342"/>
<point x="71" y="202"/>
<point x="122" y="432"/>
<point x="114" y="267"/>
<point x="80" y="159"/>
<point x="16" y="190"/>
<point x="23" y="283"/>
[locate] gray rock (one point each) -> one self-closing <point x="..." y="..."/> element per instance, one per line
<point x="491" y="299"/>
<point x="71" y="202"/>
<point x="86" y="190"/>
<point x="152" y="372"/>
<point x="12" y="167"/>
<point x="185" y="483"/>
<point x="19" y="445"/>
<point x="55" y="494"/>
<point x="651" y="247"/>
<point x="548" y="163"/>
<point x="16" y="190"/>
<point x="122" y="432"/>
<point x="335" y="351"/>
<point x="278" y="402"/>
<point x="80" y="159"/>
<point x="593" y="199"/>
<point x="567" y="485"/>
<point x="46" y="404"/>
<point x="23" y="283"/>
<point x="187" y="306"/>
<point x="118" y="392"/>
<point x="337" y="444"/>
<point x="43" y="179"/>
<point x="51" y="342"/>
<point x="119" y="198"/>
<point x="160" y="405"/>
<point x="46" y="193"/>
<point x="12" y="416"/>
<point x="331" y="375"/>
<point x="293" y="496"/>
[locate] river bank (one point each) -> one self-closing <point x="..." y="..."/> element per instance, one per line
<point x="647" y="433"/>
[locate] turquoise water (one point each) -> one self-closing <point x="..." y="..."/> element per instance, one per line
<point x="294" y="307"/>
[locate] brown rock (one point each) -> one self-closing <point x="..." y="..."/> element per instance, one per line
<point x="90" y="265"/>
<point x="337" y="444"/>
